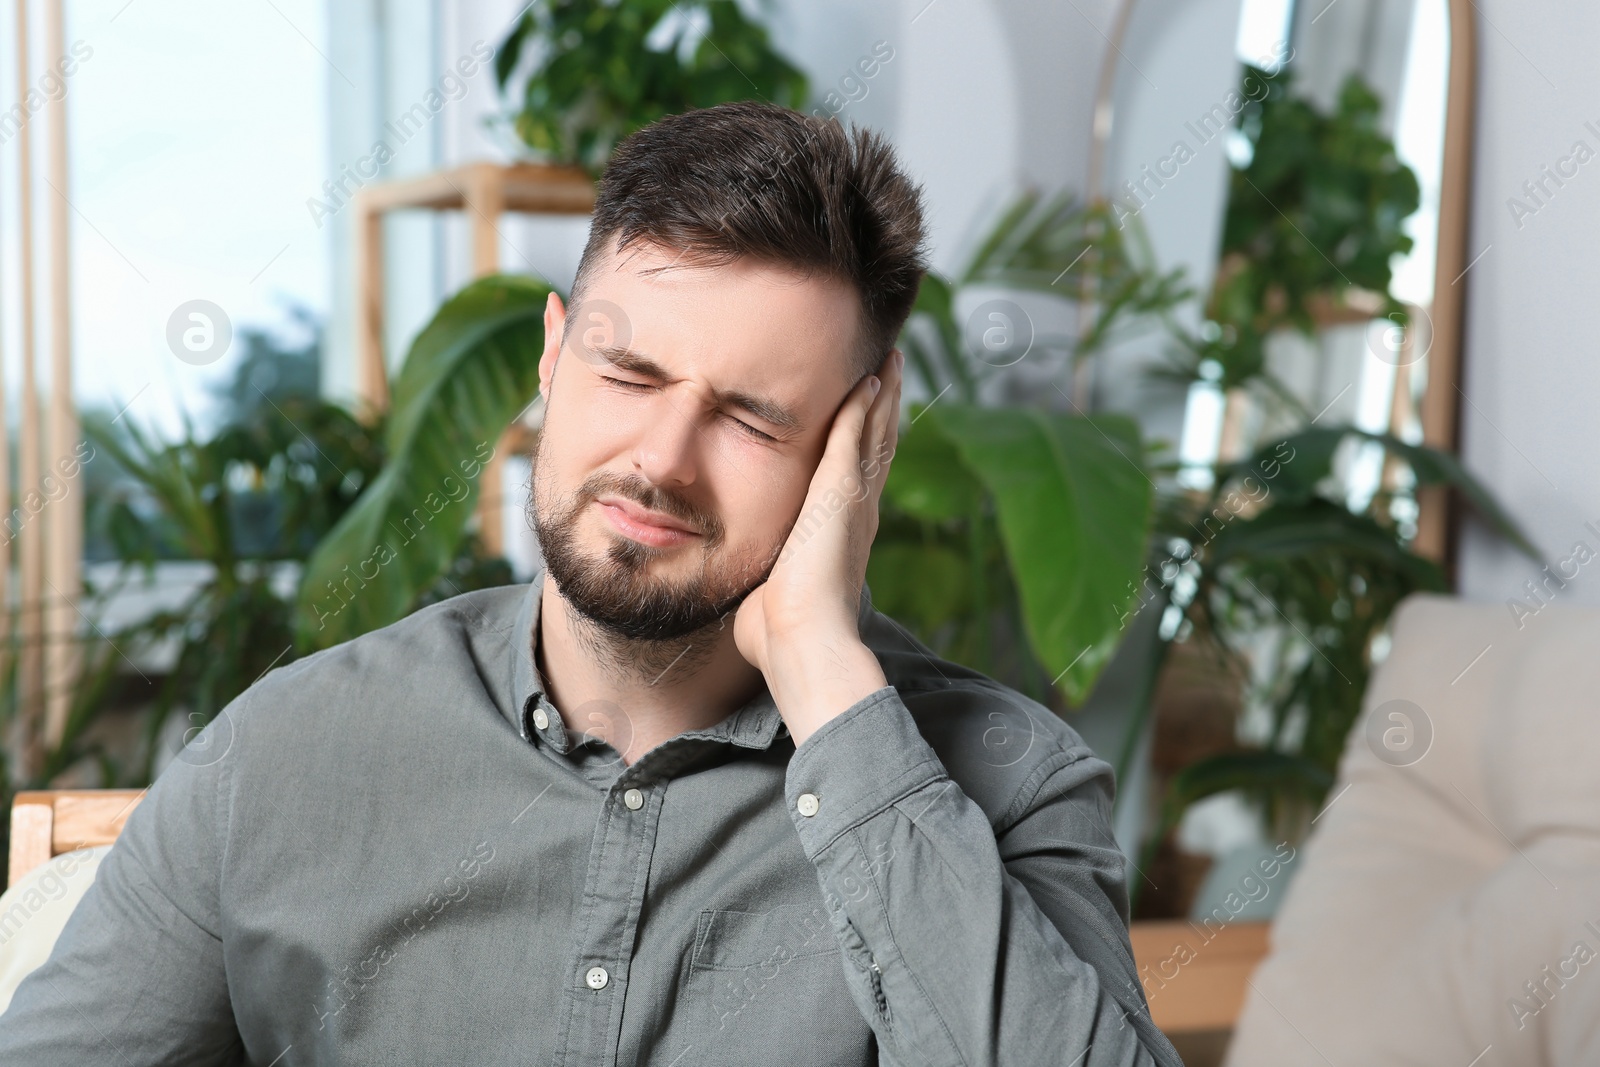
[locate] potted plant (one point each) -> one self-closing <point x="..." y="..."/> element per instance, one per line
<point x="593" y="71"/>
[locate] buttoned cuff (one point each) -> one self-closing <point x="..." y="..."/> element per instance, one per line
<point x="855" y="766"/>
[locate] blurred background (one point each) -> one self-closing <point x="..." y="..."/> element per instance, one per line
<point x="1217" y="364"/>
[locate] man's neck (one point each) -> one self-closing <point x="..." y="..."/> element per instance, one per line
<point x="637" y="694"/>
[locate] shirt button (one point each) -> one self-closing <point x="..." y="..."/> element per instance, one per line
<point x="807" y="804"/>
<point x="634" y="799"/>
<point x="540" y="719"/>
<point x="596" y="978"/>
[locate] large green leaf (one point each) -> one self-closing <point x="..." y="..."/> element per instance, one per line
<point x="1303" y="531"/>
<point x="1296" y="465"/>
<point x="1253" y="769"/>
<point x="468" y="374"/>
<point x="927" y="479"/>
<point x="1074" y="506"/>
<point x="1434" y="467"/>
<point x="925" y="585"/>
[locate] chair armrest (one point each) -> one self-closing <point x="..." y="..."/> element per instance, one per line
<point x="48" y="822"/>
<point x="1195" y="976"/>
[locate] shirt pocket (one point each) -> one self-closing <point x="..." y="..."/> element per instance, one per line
<point x="766" y="940"/>
<point x="769" y="987"/>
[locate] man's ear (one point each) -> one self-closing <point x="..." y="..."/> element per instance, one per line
<point x="555" y="321"/>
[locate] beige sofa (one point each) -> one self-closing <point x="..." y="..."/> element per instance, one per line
<point x="1447" y="908"/>
<point x="36" y="908"/>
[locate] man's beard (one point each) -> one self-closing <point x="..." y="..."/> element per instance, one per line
<point x="635" y="623"/>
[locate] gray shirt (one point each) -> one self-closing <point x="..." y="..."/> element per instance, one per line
<point x="399" y="851"/>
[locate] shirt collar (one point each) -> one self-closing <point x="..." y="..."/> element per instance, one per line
<point x="755" y="725"/>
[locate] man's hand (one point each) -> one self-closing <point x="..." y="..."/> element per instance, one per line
<point x="799" y="626"/>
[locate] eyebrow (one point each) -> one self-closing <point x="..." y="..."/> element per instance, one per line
<point x="764" y="408"/>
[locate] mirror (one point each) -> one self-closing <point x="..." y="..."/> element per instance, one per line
<point x="1304" y="162"/>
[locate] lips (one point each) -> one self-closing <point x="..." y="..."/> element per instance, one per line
<point x="642" y="524"/>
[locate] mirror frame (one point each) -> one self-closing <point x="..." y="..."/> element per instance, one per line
<point x="1440" y="405"/>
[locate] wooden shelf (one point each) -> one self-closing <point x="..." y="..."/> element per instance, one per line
<point x="484" y="191"/>
<point x="532" y="188"/>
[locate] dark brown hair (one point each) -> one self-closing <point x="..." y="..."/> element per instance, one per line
<point x="756" y="180"/>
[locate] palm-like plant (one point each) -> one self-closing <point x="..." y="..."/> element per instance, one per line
<point x="1055" y="246"/>
<point x="1276" y="549"/>
<point x="1012" y="536"/>
<point x="248" y="501"/>
<point x="469" y="373"/>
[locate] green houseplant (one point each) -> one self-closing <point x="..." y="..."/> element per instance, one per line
<point x="1276" y="547"/>
<point x="251" y="501"/>
<point x="1315" y="217"/>
<point x="1278" y="571"/>
<point x="1012" y="535"/>
<point x="258" y="493"/>
<point x="601" y="69"/>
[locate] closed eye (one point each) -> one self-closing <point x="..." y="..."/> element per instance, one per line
<point x="751" y="430"/>
<point x="635" y="387"/>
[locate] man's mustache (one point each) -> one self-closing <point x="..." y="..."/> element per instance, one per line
<point x="655" y="498"/>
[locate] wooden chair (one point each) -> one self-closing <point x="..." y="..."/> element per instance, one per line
<point x="1195" y="977"/>
<point x="46" y="823"/>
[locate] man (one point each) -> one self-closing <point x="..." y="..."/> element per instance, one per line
<point x="685" y="800"/>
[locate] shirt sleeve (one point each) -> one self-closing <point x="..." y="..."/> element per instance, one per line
<point x="136" y="977"/>
<point x="965" y="943"/>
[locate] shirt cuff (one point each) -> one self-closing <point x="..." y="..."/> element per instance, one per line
<point x="855" y="766"/>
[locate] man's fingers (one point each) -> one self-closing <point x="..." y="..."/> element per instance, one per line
<point x="844" y="439"/>
<point x="891" y="437"/>
<point x="877" y="418"/>
<point x="877" y="442"/>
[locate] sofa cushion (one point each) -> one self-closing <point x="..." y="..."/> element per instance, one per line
<point x="1447" y="909"/>
<point x="33" y="912"/>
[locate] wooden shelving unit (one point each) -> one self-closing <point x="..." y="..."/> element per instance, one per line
<point x="485" y="191"/>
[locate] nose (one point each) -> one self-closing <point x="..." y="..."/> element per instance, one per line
<point x="667" y="452"/>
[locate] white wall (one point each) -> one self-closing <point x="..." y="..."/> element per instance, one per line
<point x="1180" y="65"/>
<point x="1532" y="376"/>
<point x="389" y="54"/>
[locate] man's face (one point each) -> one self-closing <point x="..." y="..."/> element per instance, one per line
<point x="685" y="416"/>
